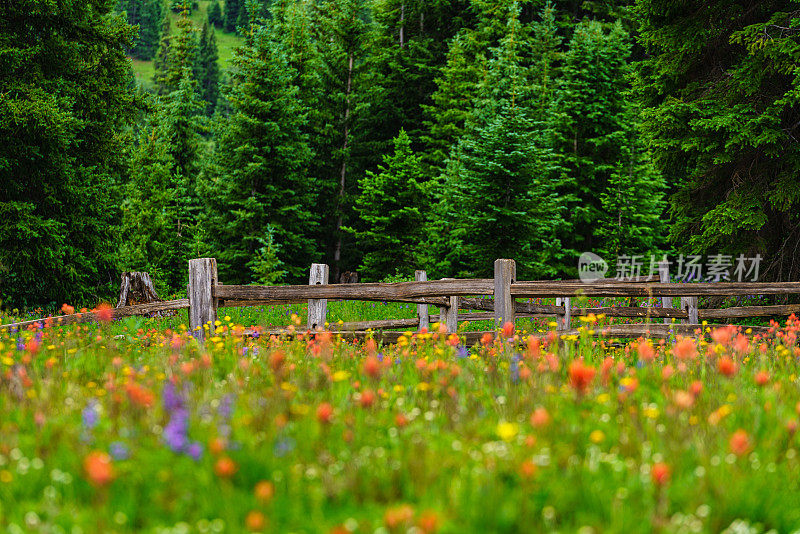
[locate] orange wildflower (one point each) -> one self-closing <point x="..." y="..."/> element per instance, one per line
<point x="98" y="468"/>
<point x="739" y="442"/>
<point x="580" y="375"/>
<point x="224" y="467"/>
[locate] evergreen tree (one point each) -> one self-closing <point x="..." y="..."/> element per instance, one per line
<point x="161" y="207"/>
<point x="232" y="13"/>
<point x="215" y="17"/>
<point x="147" y="15"/>
<point x="391" y="207"/>
<point x="161" y="59"/>
<point x="66" y="89"/>
<point x="345" y="32"/>
<point x="499" y="194"/>
<point x="207" y="69"/>
<point x="260" y="179"/>
<point x="180" y="53"/>
<point x="721" y="117"/>
<point x="601" y="148"/>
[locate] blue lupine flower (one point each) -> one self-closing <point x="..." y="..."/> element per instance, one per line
<point x="119" y="451"/>
<point x="90" y="415"/>
<point x="195" y="450"/>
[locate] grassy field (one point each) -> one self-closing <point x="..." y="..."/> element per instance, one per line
<point x="133" y="426"/>
<point x="226" y="43"/>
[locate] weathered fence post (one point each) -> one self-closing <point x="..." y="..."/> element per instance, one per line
<point x="202" y="304"/>
<point x="451" y="313"/>
<point x="689" y="304"/>
<point x="563" y="320"/>
<point x="422" y="309"/>
<point x="505" y="274"/>
<point x="663" y="276"/>
<point x="317" y="308"/>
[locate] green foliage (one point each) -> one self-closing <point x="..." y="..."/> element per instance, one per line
<point x="616" y="193"/>
<point x="159" y="226"/>
<point x="176" y="54"/>
<point x="147" y="15"/>
<point x="233" y="9"/>
<point x="65" y="98"/>
<point x="260" y="176"/>
<point x="206" y="70"/>
<point x="215" y="17"/>
<point x="721" y="115"/>
<point x="391" y="210"/>
<point x="265" y="265"/>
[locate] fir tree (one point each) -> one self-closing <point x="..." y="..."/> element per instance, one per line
<point x="500" y="187"/>
<point x="391" y="207"/>
<point x="147" y="15"/>
<point x="232" y="12"/>
<point x="176" y="53"/>
<point x="161" y="207"/>
<point x="65" y="81"/>
<point x="604" y="159"/>
<point x="260" y="177"/>
<point x="346" y="31"/>
<point x="721" y="117"/>
<point x="215" y="17"/>
<point x="207" y="69"/>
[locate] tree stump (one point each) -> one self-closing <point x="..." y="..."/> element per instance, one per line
<point x="137" y="288"/>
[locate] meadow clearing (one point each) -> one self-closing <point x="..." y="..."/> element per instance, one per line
<point x="132" y="425"/>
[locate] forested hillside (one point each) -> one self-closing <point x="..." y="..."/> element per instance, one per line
<point x="389" y="135"/>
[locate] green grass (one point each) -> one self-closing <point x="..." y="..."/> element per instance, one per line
<point x="226" y="44"/>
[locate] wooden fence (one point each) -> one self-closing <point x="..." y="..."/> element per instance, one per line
<point x="496" y="295"/>
<point x="488" y="299"/>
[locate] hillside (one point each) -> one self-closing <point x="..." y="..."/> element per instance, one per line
<point x="226" y="42"/>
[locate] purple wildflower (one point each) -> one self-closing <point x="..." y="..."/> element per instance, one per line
<point x="119" y="451"/>
<point x="176" y="431"/>
<point x="194" y="450"/>
<point x="90" y="415"/>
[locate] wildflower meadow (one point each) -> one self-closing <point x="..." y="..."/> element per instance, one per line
<point x="134" y="426"/>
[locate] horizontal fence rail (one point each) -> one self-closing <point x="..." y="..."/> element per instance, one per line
<point x="492" y="299"/>
<point x="116" y="313"/>
<point x="623" y="289"/>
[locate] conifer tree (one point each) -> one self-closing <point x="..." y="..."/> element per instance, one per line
<point x="160" y="60"/>
<point x="180" y="54"/>
<point x="604" y="158"/>
<point x="721" y="117"/>
<point x="260" y="179"/>
<point x="147" y="15"/>
<point x="215" y="17"/>
<point x="500" y="184"/>
<point x="207" y="69"/>
<point x="344" y="31"/>
<point x="66" y="95"/>
<point x="232" y="13"/>
<point x="391" y="208"/>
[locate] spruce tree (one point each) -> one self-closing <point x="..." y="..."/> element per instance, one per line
<point x="344" y="30"/>
<point x="180" y="54"/>
<point x="499" y="193"/>
<point x="232" y="12"/>
<point x="160" y="211"/>
<point x="66" y="96"/>
<point x="391" y="207"/>
<point x="215" y="17"/>
<point x="721" y="104"/>
<point x="260" y="178"/>
<point x="604" y="158"/>
<point x="207" y="69"/>
<point x="147" y="15"/>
